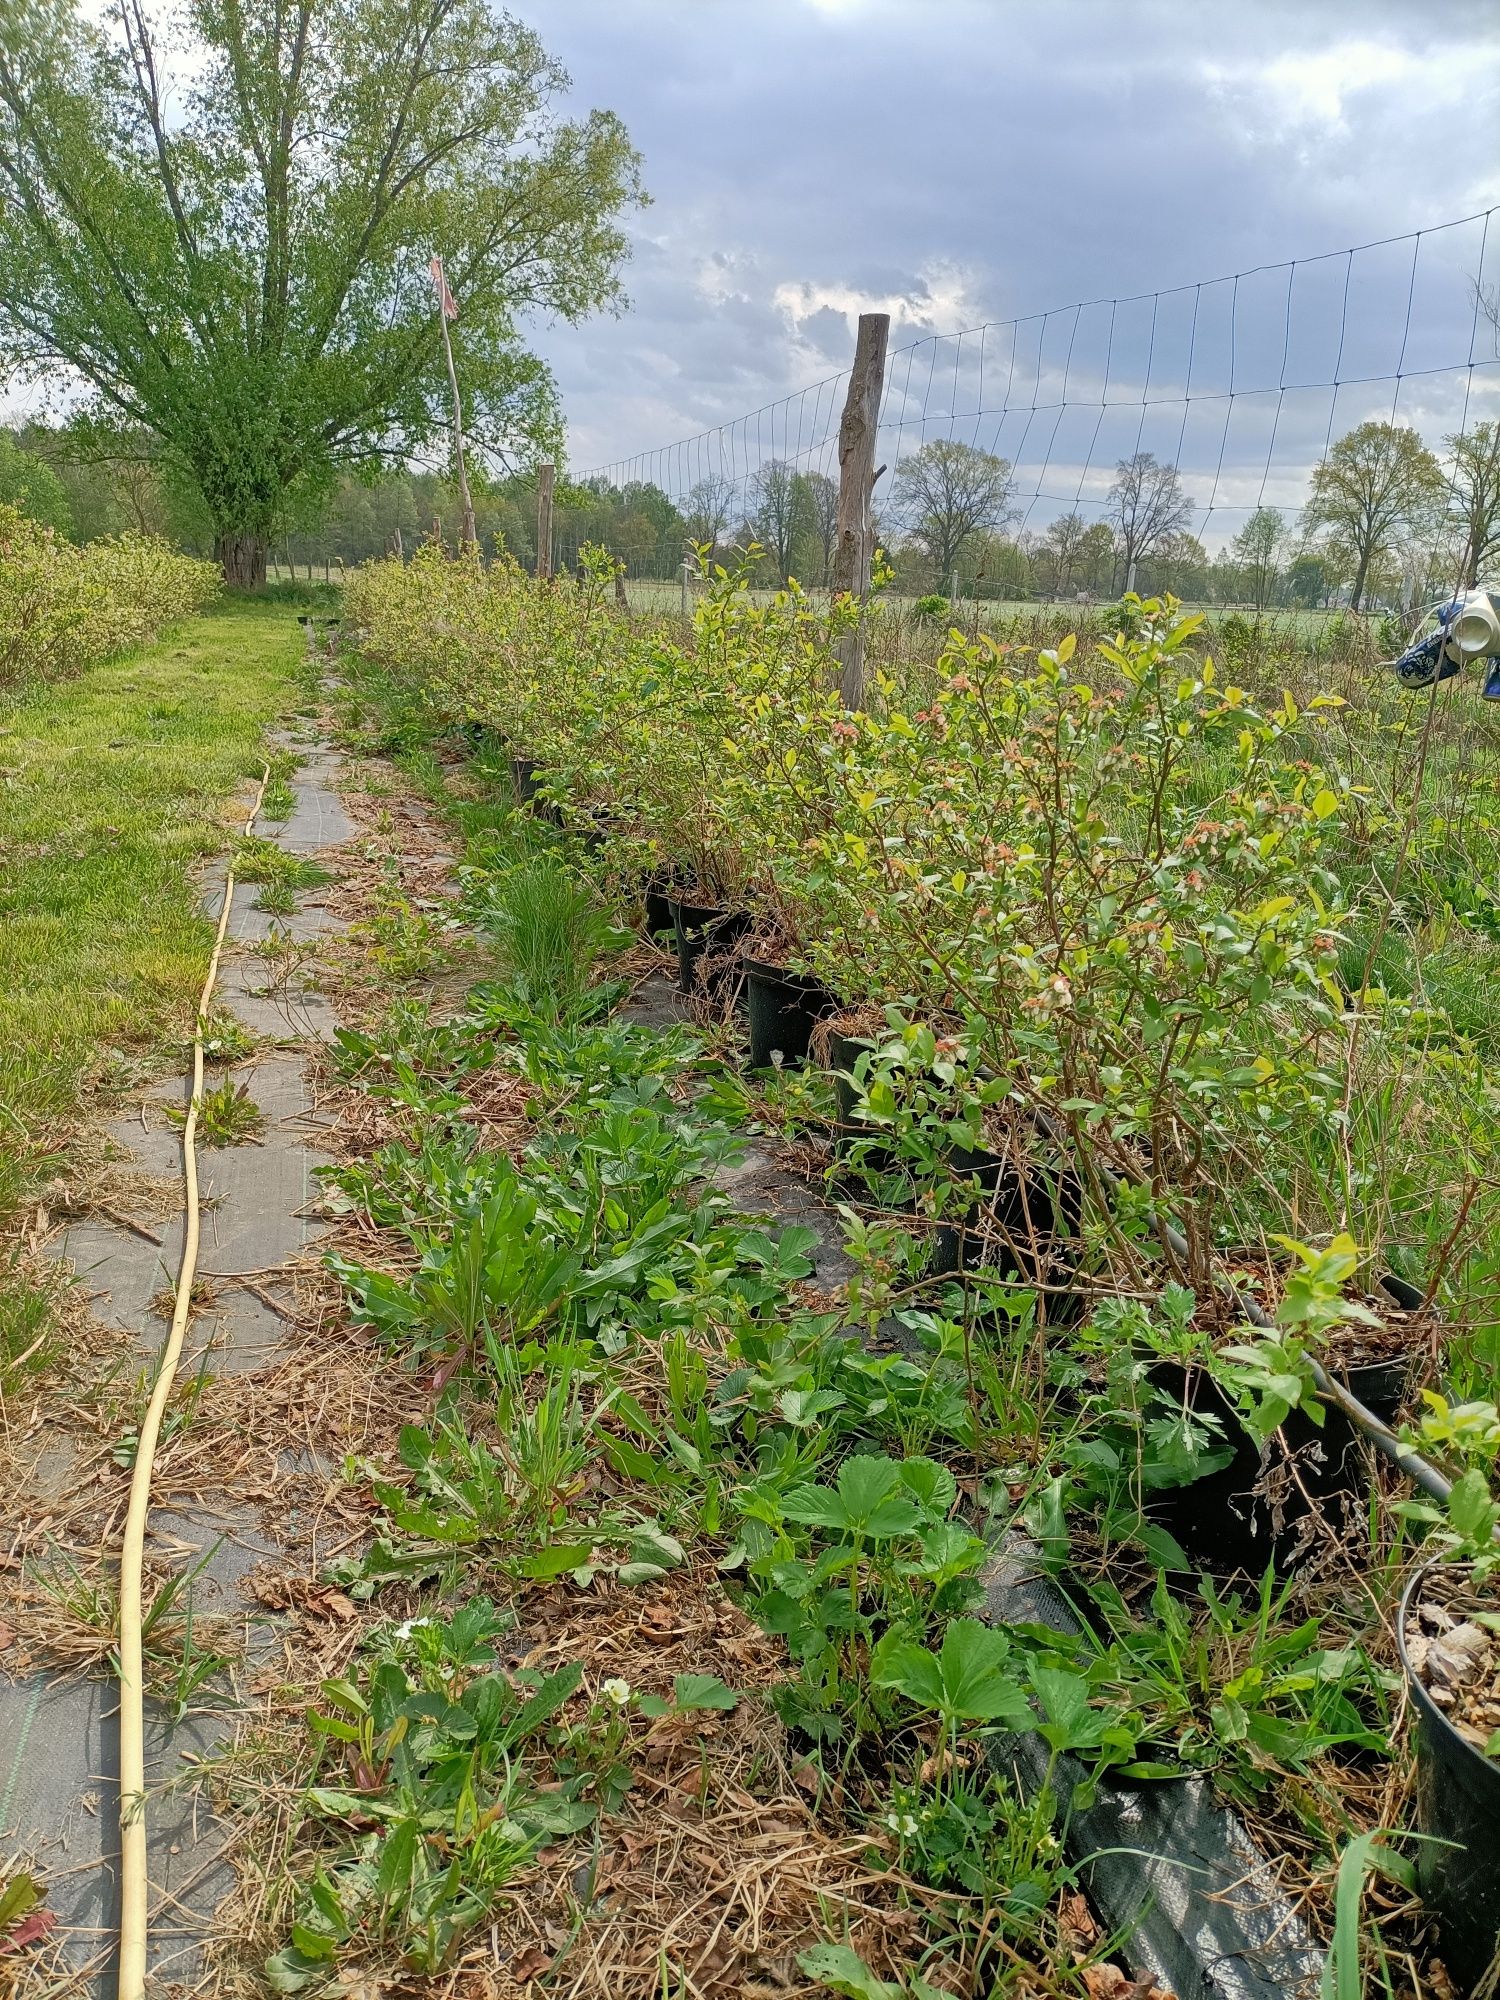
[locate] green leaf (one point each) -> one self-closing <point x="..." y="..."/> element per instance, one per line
<point x="557" y="1559"/>
<point x="813" y="1507"/>
<point x="930" y="1484"/>
<point x="704" y="1691"/>
<point x="311" y="1944"/>
<point x="543" y="1704"/>
<point x="803" y="1407"/>
<point x="398" y="1857"/>
<point x="639" y="1572"/>
<point x="1341" y="1973"/>
<point x="1471" y="1507"/>
<point x="844" y="1971"/>
<point x="909" y="1668"/>
<point x="18" y="1895"/>
<point x="964" y="1681"/>
<point x="289" y="1970"/>
<point x="648" y="1540"/>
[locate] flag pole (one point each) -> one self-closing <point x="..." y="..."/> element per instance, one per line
<point x="446" y="310"/>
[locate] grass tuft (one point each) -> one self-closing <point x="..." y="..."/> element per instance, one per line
<point x="549" y="930"/>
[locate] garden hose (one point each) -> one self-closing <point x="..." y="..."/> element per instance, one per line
<point x="133" y="1884"/>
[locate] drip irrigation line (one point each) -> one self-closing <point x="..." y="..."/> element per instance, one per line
<point x="133" y="1880"/>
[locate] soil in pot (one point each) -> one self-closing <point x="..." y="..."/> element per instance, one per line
<point x="784" y="1010"/>
<point x="1449" y="1638"/>
<point x="1404" y="1324"/>
<point x="1261" y="1507"/>
<point x="705" y="934"/>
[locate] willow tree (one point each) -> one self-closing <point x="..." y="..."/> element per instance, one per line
<point x="216" y="223"/>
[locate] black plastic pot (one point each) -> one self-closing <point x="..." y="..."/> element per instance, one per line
<point x="1018" y="1230"/>
<point x="1458" y="1807"/>
<point x="844" y="1052"/>
<point x="1224" y="1523"/>
<point x="524" y="770"/>
<point x="658" y="902"/>
<point x="595" y="826"/>
<point x="705" y="931"/>
<point x="784" y="1008"/>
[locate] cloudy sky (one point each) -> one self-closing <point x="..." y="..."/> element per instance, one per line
<point x="978" y="163"/>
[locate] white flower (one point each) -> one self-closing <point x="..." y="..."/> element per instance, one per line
<point x="903" y="1823"/>
<point x="405" y="1631"/>
<point x="618" y="1692"/>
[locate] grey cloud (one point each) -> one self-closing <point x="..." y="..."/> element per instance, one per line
<point x="976" y="162"/>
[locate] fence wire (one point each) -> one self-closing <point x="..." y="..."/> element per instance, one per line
<point x="1243" y="383"/>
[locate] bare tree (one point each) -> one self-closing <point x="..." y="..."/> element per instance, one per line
<point x="823" y="519"/>
<point x="781" y="516"/>
<point x="710" y="509"/>
<point x="947" y="493"/>
<point x="1146" y="504"/>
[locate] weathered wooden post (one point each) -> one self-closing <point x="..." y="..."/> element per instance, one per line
<point x="854" y="544"/>
<point x="545" y="477"/>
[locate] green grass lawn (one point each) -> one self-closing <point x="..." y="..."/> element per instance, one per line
<point x="111" y="787"/>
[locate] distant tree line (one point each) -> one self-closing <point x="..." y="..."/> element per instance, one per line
<point x="1387" y="521"/>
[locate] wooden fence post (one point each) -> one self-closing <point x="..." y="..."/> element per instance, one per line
<point x="854" y="544"/>
<point x="545" y="476"/>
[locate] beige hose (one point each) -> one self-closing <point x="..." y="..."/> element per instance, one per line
<point x="132" y="1549"/>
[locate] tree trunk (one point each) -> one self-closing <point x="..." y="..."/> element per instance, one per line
<point x="243" y="559"/>
<point x="1359" y="581"/>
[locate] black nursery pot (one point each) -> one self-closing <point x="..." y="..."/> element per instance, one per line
<point x="704" y="930"/>
<point x="784" y="1009"/>
<point x="1029" y="1210"/>
<point x="1458" y="1807"/>
<point x="658" y="902"/>
<point x="844" y="1051"/>
<point x="595" y="827"/>
<point x="1224" y="1523"/>
<point x="524" y="770"/>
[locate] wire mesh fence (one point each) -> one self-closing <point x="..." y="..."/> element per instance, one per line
<point x="1059" y="452"/>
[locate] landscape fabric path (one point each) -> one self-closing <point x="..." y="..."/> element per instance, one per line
<point x="59" y="1736"/>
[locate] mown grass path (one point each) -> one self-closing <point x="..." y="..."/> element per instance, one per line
<point x="111" y="787"/>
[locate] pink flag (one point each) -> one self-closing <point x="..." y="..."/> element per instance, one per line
<point x="445" y="297"/>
